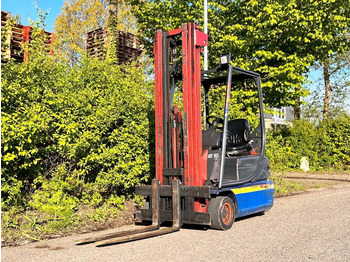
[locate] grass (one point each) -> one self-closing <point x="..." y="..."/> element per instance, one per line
<point x="20" y="226"/>
<point x="287" y="183"/>
<point x="284" y="187"/>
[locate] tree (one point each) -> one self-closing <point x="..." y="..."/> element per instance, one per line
<point x="278" y="39"/>
<point x="328" y="40"/>
<point x="331" y="66"/>
<point x="339" y="101"/>
<point x="120" y="19"/>
<point x="81" y="16"/>
<point x="120" y="11"/>
<point x="77" y="18"/>
<point x="262" y="36"/>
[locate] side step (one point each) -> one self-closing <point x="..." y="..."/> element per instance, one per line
<point x="148" y="231"/>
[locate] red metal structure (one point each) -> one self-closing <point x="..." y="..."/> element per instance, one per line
<point x="192" y="172"/>
<point x="192" y="41"/>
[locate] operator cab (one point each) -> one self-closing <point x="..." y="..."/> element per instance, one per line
<point x="234" y="111"/>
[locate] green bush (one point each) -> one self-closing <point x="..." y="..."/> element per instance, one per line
<point x="73" y="135"/>
<point x="327" y="145"/>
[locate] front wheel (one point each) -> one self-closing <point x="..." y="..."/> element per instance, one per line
<point x="222" y="212"/>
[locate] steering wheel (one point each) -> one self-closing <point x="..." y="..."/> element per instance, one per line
<point x="215" y="121"/>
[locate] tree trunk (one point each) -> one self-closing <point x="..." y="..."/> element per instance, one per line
<point x="112" y="28"/>
<point x="113" y="12"/>
<point x="297" y="110"/>
<point x="328" y="89"/>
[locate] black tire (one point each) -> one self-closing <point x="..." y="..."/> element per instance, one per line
<point x="222" y="210"/>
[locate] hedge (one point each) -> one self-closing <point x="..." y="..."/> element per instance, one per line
<point x="326" y="145"/>
<point x="73" y="135"/>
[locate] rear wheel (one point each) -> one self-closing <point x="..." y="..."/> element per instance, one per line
<point x="222" y="212"/>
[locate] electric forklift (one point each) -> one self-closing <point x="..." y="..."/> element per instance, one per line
<point x="207" y="172"/>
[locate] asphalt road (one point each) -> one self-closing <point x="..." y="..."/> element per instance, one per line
<point x="313" y="226"/>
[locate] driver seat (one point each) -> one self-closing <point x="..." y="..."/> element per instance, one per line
<point x="238" y="142"/>
<point x="238" y="134"/>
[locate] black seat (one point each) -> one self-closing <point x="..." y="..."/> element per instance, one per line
<point x="238" y="137"/>
<point x="238" y="142"/>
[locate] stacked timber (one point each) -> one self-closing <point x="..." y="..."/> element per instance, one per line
<point x="96" y="43"/>
<point x="14" y="37"/>
<point x="5" y="40"/>
<point x="128" y="49"/>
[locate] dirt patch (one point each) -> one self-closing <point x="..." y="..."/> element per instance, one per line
<point x="317" y="180"/>
<point x="313" y="180"/>
<point x="45" y="246"/>
<point x="15" y="236"/>
<point x="124" y="218"/>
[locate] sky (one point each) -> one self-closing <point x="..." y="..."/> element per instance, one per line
<point x="26" y="9"/>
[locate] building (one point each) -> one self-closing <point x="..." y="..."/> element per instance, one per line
<point x="279" y="116"/>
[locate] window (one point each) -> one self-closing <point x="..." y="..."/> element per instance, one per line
<point x="280" y="113"/>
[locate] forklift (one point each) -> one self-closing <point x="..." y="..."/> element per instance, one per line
<point x="208" y="172"/>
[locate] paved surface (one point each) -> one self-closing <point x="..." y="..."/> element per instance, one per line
<point x="314" y="226"/>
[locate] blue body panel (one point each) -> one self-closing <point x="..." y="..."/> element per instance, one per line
<point x="251" y="197"/>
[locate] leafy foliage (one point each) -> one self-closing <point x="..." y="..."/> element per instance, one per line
<point x="73" y="135"/>
<point x="77" y="18"/>
<point x="262" y="36"/>
<point x="244" y="102"/>
<point x="326" y="145"/>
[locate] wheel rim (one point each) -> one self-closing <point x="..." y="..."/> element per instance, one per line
<point x="226" y="214"/>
